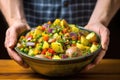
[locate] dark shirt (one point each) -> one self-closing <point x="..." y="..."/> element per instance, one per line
<point x="74" y="11"/>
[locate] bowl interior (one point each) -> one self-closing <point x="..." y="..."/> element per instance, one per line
<point x="66" y="59"/>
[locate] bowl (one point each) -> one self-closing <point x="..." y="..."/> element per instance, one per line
<point x="55" y="67"/>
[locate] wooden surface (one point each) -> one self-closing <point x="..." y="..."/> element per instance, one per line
<point x="108" y="69"/>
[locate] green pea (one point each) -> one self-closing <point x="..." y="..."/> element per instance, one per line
<point x="33" y="40"/>
<point x="39" y="36"/>
<point x="54" y="31"/>
<point x="22" y="49"/>
<point x="78" y="41"/>
<point x="30" y="47"/>
<point x="68" y="46"/>
<point x="30" y="53"/>
<point x="73" y="42"/>
<point x="40" y="47"/>
<point x="26" y="50"/>
<point x="24" y="40"/>
<point x="60" y="40"/>
<point x="24" y="45"/>
<point x="50" y="34"/>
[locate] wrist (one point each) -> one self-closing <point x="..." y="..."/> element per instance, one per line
<point x="12" y="21"/>
<point x="18" y="21"/>
<point x="102" y="18"/>
<point x="104" y="11"/>
<point x="98" y="21"/>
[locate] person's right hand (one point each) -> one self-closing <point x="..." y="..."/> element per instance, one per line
<point x="12" y="34"/>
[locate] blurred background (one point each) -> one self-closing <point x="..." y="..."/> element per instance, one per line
<point x="114" y="46"/>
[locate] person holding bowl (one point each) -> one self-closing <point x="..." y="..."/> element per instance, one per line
<point x="20" y="15"/>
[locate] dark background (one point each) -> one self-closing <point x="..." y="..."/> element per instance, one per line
<point x="114" y="46"/>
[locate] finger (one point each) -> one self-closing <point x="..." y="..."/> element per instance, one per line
<point x="17" y="58"/>
<point x="10" y="42"/>
<point x="7" y="38"/>
<point x="105" y="38"/>
<point x="96" y="61"/>
<point x="88" y="67"/>
<point x="99" y="56"/>
<point x="12" y="39"/>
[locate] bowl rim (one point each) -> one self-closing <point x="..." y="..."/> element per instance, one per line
<point x="66" y="59"/>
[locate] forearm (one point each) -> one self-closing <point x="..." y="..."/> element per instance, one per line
<point x="104" y="11"/>
<point x="13" y="11"/>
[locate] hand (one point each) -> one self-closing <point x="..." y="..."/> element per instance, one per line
<point x="12" y="34"/>
<point x="103" y="32"/>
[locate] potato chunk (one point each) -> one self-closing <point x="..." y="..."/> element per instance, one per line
<point x="57" y="47"/>
<point x="92" y="37"/>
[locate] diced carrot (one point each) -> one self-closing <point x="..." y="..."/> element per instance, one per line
<point x="64" y="30"/>
<point x="45" y="37"/>
<point x="49" y="22"/>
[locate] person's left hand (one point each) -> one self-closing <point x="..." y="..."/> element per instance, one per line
<point x="104" y="33"/>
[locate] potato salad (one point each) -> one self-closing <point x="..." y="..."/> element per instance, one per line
<point x="58" y="40"/>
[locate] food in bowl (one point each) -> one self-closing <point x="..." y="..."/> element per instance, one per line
<point x="58" y="48"/>
<point x="58" y="40"/>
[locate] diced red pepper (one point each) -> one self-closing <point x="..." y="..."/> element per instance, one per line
<point x="51" y="50"/>
<point x="44" y="51"/>
<point x="29" y="37"/>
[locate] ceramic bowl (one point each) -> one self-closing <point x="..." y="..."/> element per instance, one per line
<point x="63" y="67"/>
